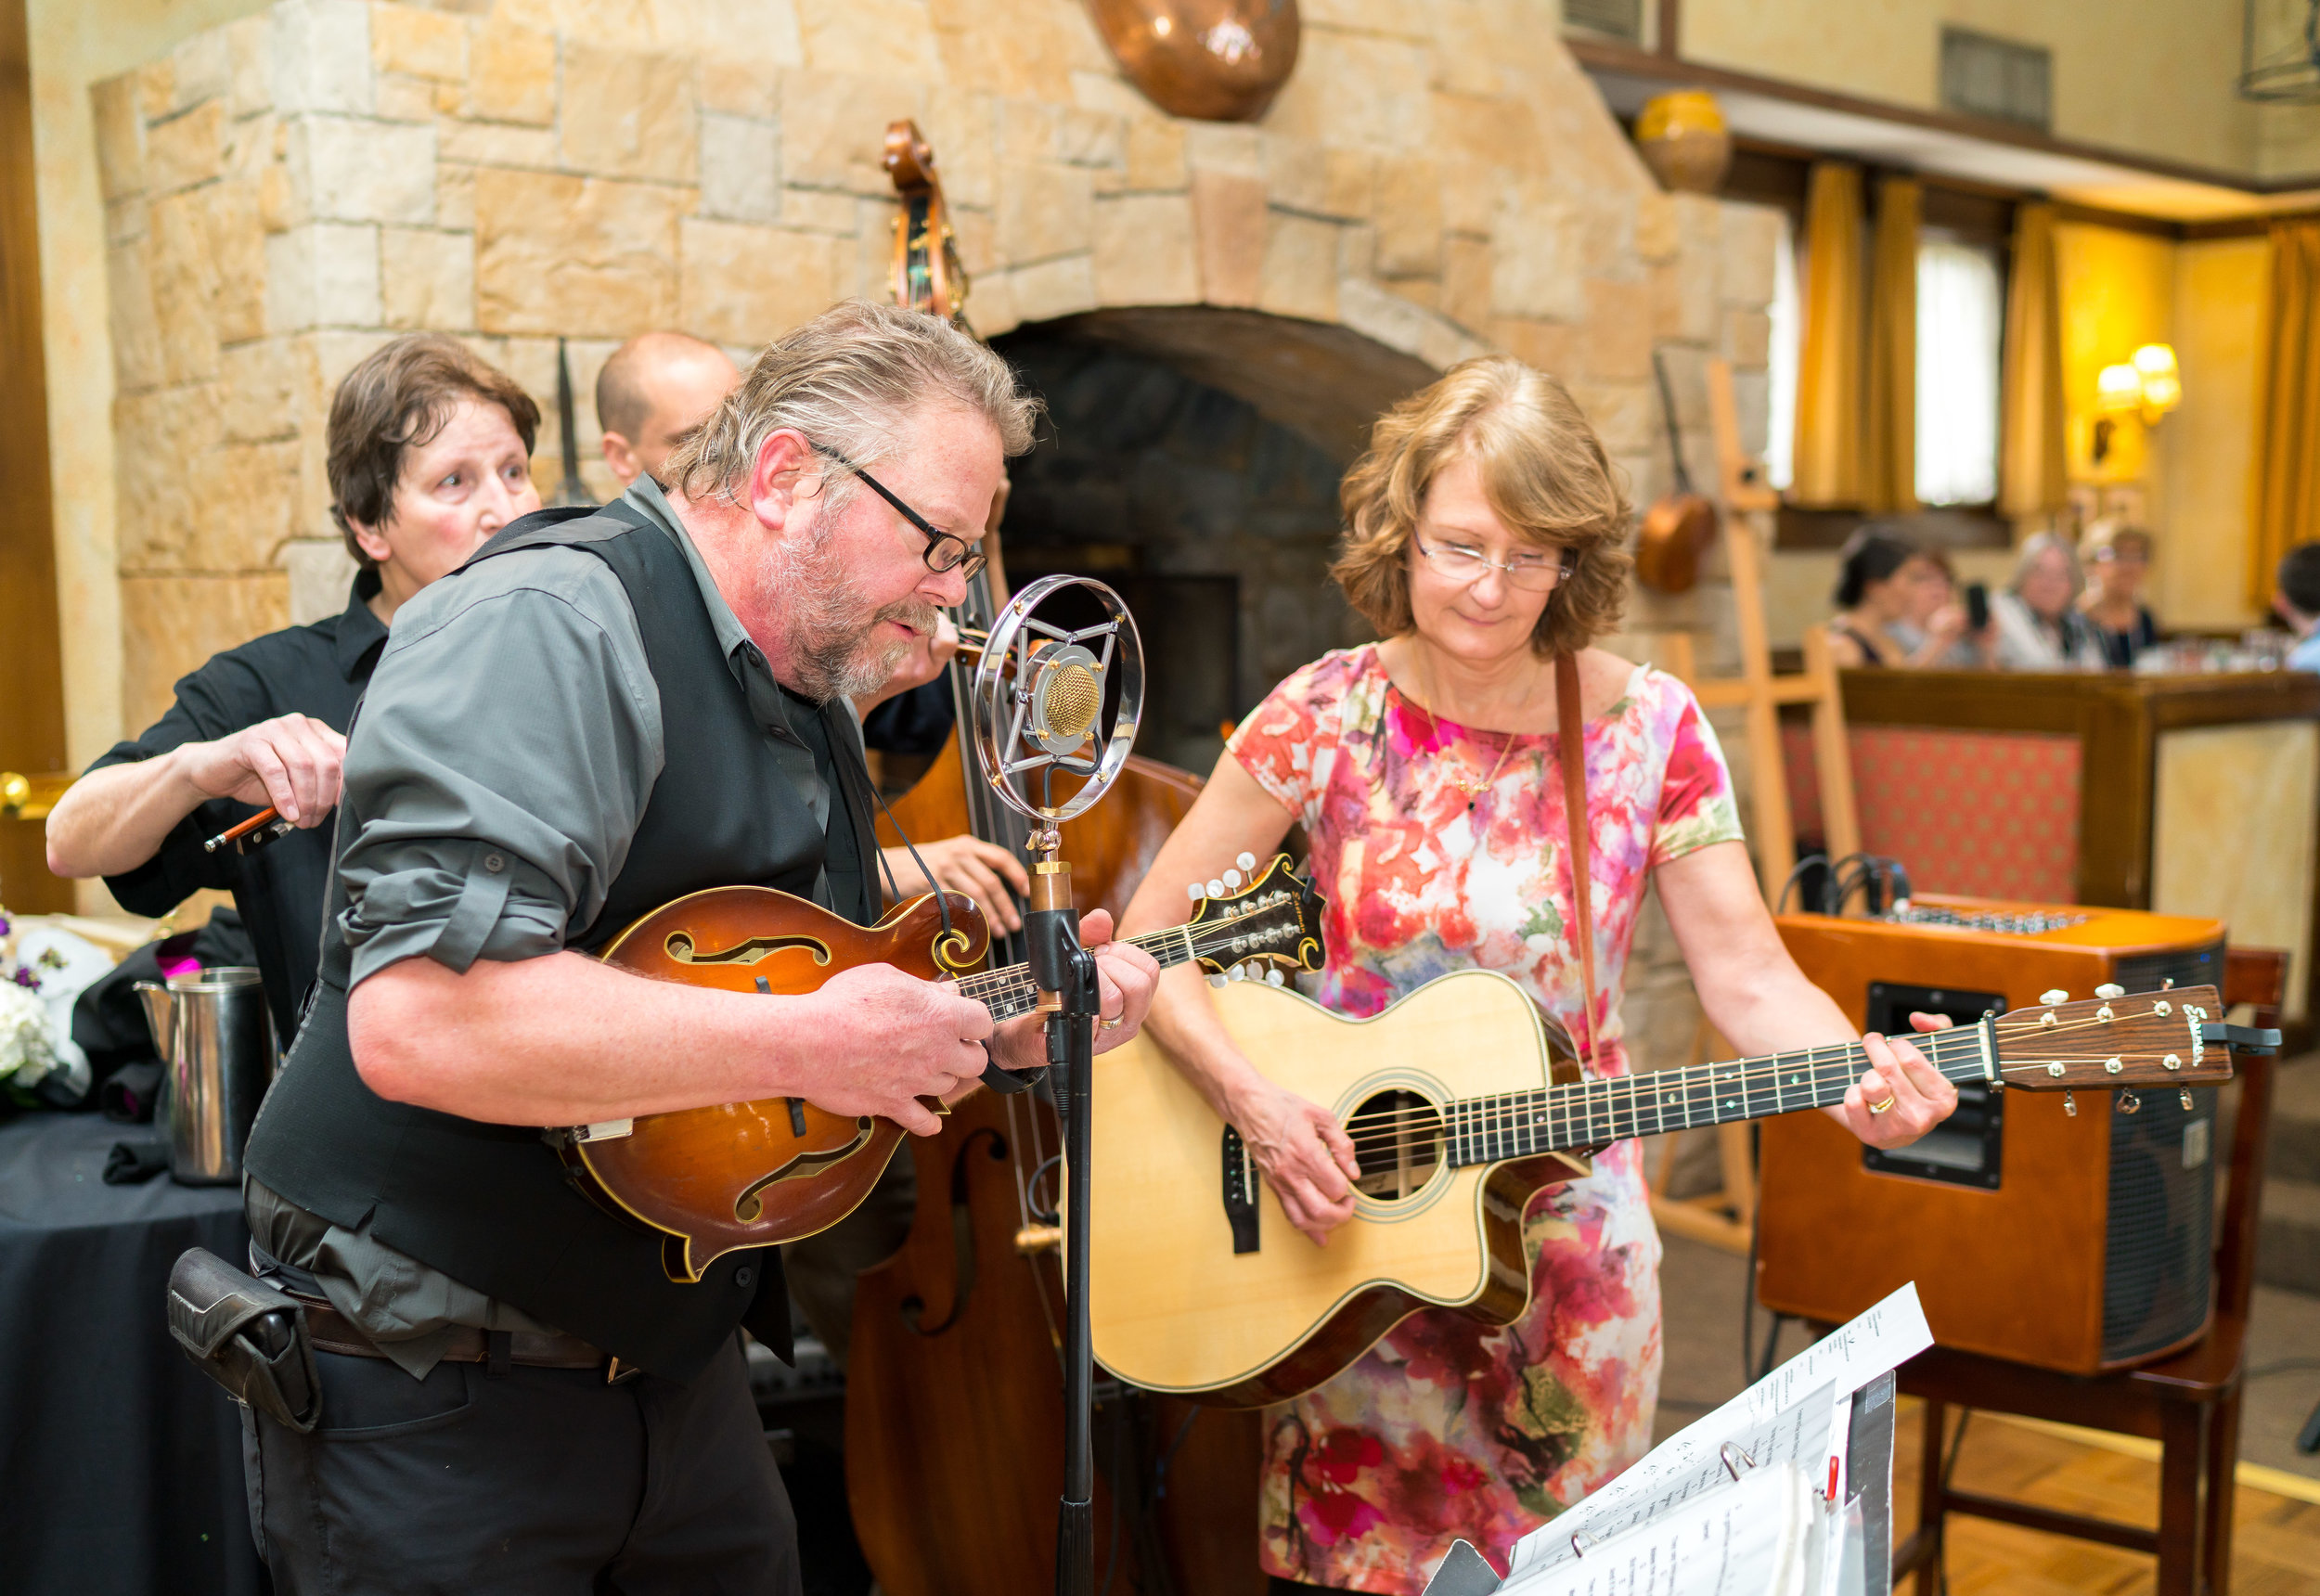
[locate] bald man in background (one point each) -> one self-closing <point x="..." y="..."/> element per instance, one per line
<point x="653" y="388"/>
<point x="649" y="393"/>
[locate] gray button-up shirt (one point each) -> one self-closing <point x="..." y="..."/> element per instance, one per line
<point x="502" y="761"/>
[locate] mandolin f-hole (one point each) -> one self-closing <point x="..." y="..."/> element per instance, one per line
<point x="682" y="950"/>
<point x="750" y="1204"/>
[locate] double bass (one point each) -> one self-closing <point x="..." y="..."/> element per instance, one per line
<point x="954" y="1424"/>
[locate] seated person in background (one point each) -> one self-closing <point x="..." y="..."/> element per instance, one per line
<point x="1894" y="604"/>
<point x="2298" y="603"/>
<point x="2036" y="619"/>
<point x="651" y="390"/>
<point x="2116" y="558"/>
<point x="428" y="453"/>
<point x="1935" y="607"/>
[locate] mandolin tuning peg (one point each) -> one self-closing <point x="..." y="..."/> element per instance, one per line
<point x="1216" y="889"/>
<point x="1232" y="881"/>
<point x="2071" y="1104"/>
<point x="1246" y="861"/>
<point x="1273" y="978"/>
<point x="2057" y="996"/>
<point x="1218" y="981"/>
<point x="2128" y="1102"/>
<point x="1195" y="892"/>
<point x="2108" y="990"/>
<point x="2184" y="1096"/>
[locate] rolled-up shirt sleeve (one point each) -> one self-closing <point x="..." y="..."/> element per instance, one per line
<point x="498" y="766"/>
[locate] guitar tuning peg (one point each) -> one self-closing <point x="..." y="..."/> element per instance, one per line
<point x="2108" y="990"/>
<point x="2184" y="1098"/>
<point x="1216" y="889"/>
<point x="2128" y="1102"/>
<point x="1232" y="881"/>
<point x="1245" y="860"/>
<point x="2071" y="1104"/>
<point x="2057" y="996"/>
<point x="1195" y="892"/>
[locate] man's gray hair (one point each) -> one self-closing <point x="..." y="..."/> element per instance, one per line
<point x="845" y="379"/>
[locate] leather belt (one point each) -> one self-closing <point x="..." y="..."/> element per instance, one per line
<point x="331" y="1330"/>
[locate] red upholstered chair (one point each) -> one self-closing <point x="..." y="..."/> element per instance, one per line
<point x="2189" y="1402"/>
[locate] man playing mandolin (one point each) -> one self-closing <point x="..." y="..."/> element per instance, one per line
<point x="602" y="712"/>
<point x="1485" y="544"/>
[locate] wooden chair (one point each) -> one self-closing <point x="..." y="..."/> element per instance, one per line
<point x="2189" y="1402"/>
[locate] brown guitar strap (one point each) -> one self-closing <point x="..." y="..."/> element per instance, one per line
<point x="1572" y="749"/>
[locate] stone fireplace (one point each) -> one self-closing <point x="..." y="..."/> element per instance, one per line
<point x="1437" y="179"/>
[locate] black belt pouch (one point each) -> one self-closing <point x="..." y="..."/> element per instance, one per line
<point x="247" y="1336"/>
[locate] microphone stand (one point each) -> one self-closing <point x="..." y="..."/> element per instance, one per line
<point x="1071" y="998"/>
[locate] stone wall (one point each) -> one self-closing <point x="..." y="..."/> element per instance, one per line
<point x="285" y="192"/>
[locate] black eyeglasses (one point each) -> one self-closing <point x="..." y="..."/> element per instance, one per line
<point x="945" y="551"/>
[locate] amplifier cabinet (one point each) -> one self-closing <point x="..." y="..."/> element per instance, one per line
<point x="2078" y="1243"/>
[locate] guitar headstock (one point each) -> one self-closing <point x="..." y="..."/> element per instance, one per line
<point x="2115" y="1040"/>
<point x="1255" y="929"/>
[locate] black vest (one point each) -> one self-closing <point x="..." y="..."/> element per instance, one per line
<point x="489" y="1204"/>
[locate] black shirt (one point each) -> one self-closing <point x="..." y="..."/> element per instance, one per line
<point x="319" y="671"/>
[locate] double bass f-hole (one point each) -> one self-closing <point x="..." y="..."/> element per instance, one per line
<point x="914" y="1307"/>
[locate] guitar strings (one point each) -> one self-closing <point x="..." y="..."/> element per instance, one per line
<point x="1568" y="1108"/>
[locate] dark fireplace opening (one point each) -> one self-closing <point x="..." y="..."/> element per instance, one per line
<point x="1191" y="459"/>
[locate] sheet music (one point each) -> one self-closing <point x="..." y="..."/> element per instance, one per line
<point x="1795" y="1414"/>
<point x="1749" y="1539"/>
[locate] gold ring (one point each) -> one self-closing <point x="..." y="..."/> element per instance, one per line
<point x="1881" y="1107"/>
<point x="1111" y="1024"/>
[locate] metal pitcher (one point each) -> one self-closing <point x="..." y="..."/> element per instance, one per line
<point x="215" y="1038"/>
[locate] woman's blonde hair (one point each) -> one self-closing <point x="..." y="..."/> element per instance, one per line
<point x="1543" y="472"/>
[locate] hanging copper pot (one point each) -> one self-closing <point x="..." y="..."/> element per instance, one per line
<point x="1219" y="60"/>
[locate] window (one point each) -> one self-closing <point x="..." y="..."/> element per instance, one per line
<point x="1960" y="331"/>
<point x="1787" y="317"/>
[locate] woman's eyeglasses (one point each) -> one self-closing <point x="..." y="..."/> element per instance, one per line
<point x="945" y="551"/>
<point x="1533" y="572"/>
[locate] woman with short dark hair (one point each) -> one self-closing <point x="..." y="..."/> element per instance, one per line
<point x="1486" y="542"/>
<point x="428" y="453"/>
<point x="1894" y="604"/>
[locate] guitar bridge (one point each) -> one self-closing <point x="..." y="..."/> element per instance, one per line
<point x="1239" y="1191"/>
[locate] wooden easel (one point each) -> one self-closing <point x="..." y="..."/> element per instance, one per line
<point x="1727" y="1218"/>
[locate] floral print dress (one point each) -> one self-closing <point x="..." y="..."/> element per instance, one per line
<point x="1447" y="1429"/>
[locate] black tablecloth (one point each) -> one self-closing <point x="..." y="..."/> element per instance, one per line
<point x="120" y="1462"/>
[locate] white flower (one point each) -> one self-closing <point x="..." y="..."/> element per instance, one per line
<point x="28" y="1048"/>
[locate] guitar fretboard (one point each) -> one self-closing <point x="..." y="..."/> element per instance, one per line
<point x="1597" y="1113"/>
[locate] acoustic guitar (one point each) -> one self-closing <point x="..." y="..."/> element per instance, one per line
<point x="757" y="1174"/>
<point x="1200" y="1287"/>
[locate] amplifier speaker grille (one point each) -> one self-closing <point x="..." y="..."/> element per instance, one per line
<point x="2156" y="1255"/>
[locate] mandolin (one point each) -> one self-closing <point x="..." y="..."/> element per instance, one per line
<point x="1200" y="1287"/>
<point x="758" y="1174"/>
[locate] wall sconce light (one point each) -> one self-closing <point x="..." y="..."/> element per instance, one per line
<point x="2147" y="385"/>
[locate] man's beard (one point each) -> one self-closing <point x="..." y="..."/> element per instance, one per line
<point x="817" y="606"/>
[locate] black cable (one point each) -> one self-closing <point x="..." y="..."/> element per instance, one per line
<point x="1796" y="873"/>
<point x="1160" y="1470"/>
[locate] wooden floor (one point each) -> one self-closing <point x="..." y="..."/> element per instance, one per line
<point x="2276" y="1546"/>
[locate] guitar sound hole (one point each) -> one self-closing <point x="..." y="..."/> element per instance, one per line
<point x="1397" y="1141"/>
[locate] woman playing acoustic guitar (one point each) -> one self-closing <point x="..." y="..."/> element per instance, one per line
<point x="1485" y="540"/>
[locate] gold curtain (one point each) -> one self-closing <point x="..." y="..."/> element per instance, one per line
<point x="1888" y="430"/>
<point x="2033" y="473"/>
<point x="1827" y="468"/>
<point x="2287" y="468"/>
